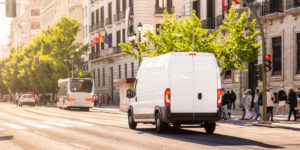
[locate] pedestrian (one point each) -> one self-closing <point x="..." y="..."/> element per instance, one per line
<point x="247" y="106"/>
<point x="282" y="97"/>
<point x="298" y="98"/>
<point x="100" y="99"/>
<point x="256" y="104"/>
<point x="96" y="100"/>
<point x="225" y="100"/>
<point x="17" y="99"/>
<point x="243" y="103"/>
<point x="233" y="98"/>
<point x="229" y="104"/>
<point x="107" y="99"/>
<point x="270" y="104"/>
<point x="292" y="99"/>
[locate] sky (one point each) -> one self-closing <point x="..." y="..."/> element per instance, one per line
<point x="4" y="25"/>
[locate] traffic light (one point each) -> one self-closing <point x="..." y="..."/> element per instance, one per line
<point x="37" y="60"/>
<point x="258" y="72"/>
<point x="268" y="63"/>
<point x="10" y="8"/>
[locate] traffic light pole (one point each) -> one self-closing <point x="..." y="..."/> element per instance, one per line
<point x="264" y="79"/>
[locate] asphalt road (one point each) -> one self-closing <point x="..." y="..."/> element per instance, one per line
<point x="48" y="128"/>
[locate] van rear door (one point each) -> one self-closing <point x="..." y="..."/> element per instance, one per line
<point x="206" y="84"/>
<point x="181" y="85"/>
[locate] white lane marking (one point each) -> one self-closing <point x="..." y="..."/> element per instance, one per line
<point x="77" y="123"/>
<point x="13" y="126"/>
<point x="57" y="124"/>
<point x="36" y="125"/>
<point x="98" y="122"/>
<point x="85" y="147"/>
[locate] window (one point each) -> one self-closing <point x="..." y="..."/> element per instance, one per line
<point x="120" y="72"/>
<point x="35" y="12"/>
<point x="97" y="15"/>
<point x="99" y="77"/>
<point x="103" y="75"/>
<point x="132" y="70"/>
<point x="228" y="74"/>
<point x="102" y="46"/>
<point x="94" y="74"/>
<point x="124" y="5"/>
<point x="97" y="48"/>
<point x="123" y="36"/>
<point x="110" y="11"/>
<point x="35" y="25"/>
<point x="118" y="37"/>
<point x="276" y="46"/>
<point x="298" y="53"/>
<point x="196" y="7"/>
<point x="110" y="39"/>
<point x="102" y="14"/>
<point x="125" y="70"/>
<point x="92" y="18"/>
<point x="118" y="6"/>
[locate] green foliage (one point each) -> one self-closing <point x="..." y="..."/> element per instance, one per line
<point x="53" y="46"/>
<point x="232" y="50"/>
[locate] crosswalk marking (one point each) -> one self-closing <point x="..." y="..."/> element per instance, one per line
<point x="36" y="125"/>
<point x="57" y="124"/>
<point x="13" y="126"/>
<point x="107" y="122"/>
<point x="78" y="123"/>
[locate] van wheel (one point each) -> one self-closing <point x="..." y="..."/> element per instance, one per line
<point x="159" y="124"/>
<point x="131" y="123"/>
<point x="210" y="127"/>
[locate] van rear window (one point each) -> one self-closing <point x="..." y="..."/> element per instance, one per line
<point x="81" y="85"/>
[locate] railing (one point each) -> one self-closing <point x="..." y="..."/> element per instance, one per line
<point x="122" y="14"/>
<point x="271" y="7"/>
<point x="94" y="55"/>
<point x="108" y="21"/>
<point x="160" y="10"/>
<point x="91" y="28"/>
<point x="100" y="25"/>
<point x="292" y="4"/>
<point x="117" y="50"/>
<point x="208" y="23"/>
<point x="116" y="17"/>
<point x="219" y="20"/>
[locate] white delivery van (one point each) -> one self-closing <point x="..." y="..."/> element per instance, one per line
<point x="176" y="88"/>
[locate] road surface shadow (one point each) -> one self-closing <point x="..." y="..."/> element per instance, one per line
<point x="2" y="138"/>
<point x="205" y="139"/>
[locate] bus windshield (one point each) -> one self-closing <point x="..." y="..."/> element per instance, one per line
<point x="81" y="85"/>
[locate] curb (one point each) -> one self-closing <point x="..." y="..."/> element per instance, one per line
<point x="275" y="126"/>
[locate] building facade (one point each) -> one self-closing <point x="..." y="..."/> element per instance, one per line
<point x="280" y="19"/>
<point x="119" y="19"/>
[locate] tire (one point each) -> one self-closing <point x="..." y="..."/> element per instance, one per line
<point x="210" y="127"/>
<point x="131" y="123"/>
<point x="159" y="124"/>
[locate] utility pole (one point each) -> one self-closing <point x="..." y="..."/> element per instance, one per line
<point x="264" y="79"/>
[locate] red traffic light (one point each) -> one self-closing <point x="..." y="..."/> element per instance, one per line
<point x="268" y="57"/>
<point x="37" y="60"/>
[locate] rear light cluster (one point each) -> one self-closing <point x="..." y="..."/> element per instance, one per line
<point x="69" y="98"/>
<point x="91" y="99"/>
<point x="219" y="101"/>
<point x="167" y="97"/>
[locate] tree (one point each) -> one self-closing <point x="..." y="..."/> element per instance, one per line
<point x="231" y="50"/>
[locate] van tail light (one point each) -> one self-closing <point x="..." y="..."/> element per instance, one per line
<point x="167" y="97"/>
<point x="68" y="97"/>
<point x="91" y="99"/>
<point x="219" y="97"/>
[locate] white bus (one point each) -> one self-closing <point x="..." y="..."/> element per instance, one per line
<point x="75" y="93"/>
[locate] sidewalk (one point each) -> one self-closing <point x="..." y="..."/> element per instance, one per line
<point x="280" y="121"/>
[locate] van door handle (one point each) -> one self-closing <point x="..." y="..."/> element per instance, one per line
<point x="199" y="96"/>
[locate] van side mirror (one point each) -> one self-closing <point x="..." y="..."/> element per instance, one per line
<point x="130" y="93"/>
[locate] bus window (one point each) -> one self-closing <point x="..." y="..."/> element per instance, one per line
<point x="80" y="85"/>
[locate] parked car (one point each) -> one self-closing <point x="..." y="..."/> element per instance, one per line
<point x="26" y="99"/>
<point x="176" y="88"/>
<point x="5" y="98"/>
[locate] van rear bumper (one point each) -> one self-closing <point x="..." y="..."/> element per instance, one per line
<point x="188" y="118"/>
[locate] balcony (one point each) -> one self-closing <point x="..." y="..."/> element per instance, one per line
<point x="208" y="23"/>
<point x="160" y="10"/>
<point x="116" y="50"/>
<point x="293" y="7"/>
<point x="116" y="17"/>
<point x="90" y="28"/>
<point x="100" y="25"/>
<point x="108" y="21"/>
<point x="271" y="7"/>
<point x="93" y="56"/>
<point x="122" y="15"/>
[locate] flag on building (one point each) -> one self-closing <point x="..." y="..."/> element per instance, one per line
<point x="225" y="4"/>
<point x="100" y="37"/>
<point x="106" y="38"/>
<point x="235" y="1"/>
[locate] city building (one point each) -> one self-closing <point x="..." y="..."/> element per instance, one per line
<point x="281" y="25"/>
<point x="119" y="19"/>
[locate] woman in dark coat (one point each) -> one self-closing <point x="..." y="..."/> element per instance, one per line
<point x="292" y="99"/>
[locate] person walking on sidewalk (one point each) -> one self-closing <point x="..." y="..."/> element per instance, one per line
<point x="225" y="101"/>
<point x="249" y="115"/>
<point x="256" y="104"/>
<point x="270" y="104"/>
<point x="292" y="100"/>
<point x="282" y="97"/>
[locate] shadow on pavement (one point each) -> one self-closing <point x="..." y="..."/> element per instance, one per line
<point x="206" y="139"/>
<point x="2" y="138"/>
